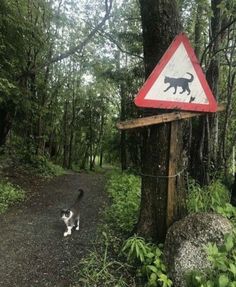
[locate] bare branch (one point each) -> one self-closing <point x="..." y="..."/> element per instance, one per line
<point x="215" y="38"/>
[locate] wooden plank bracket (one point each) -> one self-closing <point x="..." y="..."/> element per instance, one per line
<point x="163" y="118"/>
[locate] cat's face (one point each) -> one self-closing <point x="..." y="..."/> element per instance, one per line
<point x="65" y="214"/>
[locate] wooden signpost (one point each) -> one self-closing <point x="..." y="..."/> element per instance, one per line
<point x="177" y="83"/>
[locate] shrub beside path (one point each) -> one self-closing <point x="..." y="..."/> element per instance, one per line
<point x="33" y="251"/>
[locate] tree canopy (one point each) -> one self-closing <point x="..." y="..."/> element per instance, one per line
<point x="70" y="71"/>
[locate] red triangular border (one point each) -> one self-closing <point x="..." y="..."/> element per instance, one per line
<point x="140" y="100"/>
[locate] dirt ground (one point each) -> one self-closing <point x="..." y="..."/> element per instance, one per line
<point x="33" y="251"/>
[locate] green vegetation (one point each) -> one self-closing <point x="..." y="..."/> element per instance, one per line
<point x="148" y="260"/>
<point x="10" y="195"/>
<point x="41" y="166"/>
<point x="222" y="272"/>
<point x="100" y="268"/>
<point x="223" y="262"/>
<point x="208" y="198"/>
<point x="115" y="261"/>
<point x="124" y="192"/>
<point x="118" y="261"/>
<point x="70" y="71"/>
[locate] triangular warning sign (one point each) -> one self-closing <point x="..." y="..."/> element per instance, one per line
<point x="177" y="82"/>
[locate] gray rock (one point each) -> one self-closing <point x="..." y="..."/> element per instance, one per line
<point x="185" y="241"/>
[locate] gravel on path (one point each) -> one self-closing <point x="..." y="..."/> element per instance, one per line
<point x="33" y="251"/>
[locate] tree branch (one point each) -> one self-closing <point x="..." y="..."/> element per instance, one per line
<point x="118" y="45"/>
<point x="80" y="46"/>
<point x="215" y="38"/>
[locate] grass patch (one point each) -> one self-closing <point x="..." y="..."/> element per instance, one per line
<point x="205" y="199"/>
<point x="99" y="268"/>
<point x="106" y="265"/>
<point x="9" y="195"/>
<point x="124" y="192"/>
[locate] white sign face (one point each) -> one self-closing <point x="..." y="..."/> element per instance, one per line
<point x="178" y="81"/>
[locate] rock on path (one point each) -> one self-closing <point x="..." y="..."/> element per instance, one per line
<point x="33" y="251"/>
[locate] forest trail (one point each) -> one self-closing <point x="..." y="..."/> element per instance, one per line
<point x="33" y="251"/>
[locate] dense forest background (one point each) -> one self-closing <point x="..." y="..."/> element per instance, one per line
<point x="70" y="71"/>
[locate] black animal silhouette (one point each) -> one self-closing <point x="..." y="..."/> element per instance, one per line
<point x="179" y="82"/>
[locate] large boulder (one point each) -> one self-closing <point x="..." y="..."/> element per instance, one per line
<point x="185" y="241"/>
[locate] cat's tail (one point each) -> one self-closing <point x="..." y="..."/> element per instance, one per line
<point x="192" y="77"/>
<point x="81" y="194"/>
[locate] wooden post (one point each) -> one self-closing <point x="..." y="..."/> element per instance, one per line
<point x="172" y="170"/>
<point x="174" y="118"/>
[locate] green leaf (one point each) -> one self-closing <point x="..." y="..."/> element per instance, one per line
<point x="232" y="269"/>
<point x="153" y="277"/>
<point x="223" y="280"/>
<point x="152" y="268"/>
<point x="229" y="243"/>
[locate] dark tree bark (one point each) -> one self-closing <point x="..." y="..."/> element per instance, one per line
<point x="204" y="152"/>
<point x="6" y="119"/>
<point x="123" y="140"/>
<point x="160" y="23"/>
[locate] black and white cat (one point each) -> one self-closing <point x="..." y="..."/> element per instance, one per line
<point x="179" y="82"/>
<point x="71" y="216"/>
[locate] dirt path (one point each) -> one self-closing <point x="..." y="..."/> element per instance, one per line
<point x="33" y="251"/>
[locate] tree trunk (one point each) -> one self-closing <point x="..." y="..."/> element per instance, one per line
<point x="205" y="144"/>
<point x="5" y="124"/>
<point x="65" y="143"/>
<point x="160" y="23"/>
<point x="72" y="132"/>
<point x="213" y="76"/>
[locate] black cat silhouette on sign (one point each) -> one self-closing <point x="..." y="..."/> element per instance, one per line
<point x="179" y="82"/>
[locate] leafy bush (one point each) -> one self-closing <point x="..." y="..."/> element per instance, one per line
<point x="124" y="191"/>
<point x="227" y="210"/>
<point x="148" y="258"/>
<point x="209" y="198"/>
<point x="223" y="261"/>
<point x="42" y="166"/>
<point x="9" y="194"/>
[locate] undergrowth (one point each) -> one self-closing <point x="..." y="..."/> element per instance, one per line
<point x="41" y="166"/>
<point x="9" y="195"/>
<point x="148" y="259"/>
<point x="222" y="259"/>
<point x="205" y="199"/>
<point x="116" y="260"/>
<point x="223" y="265"/>
<point x="26" y="160"/>
<point x="124" y="192"/>
<point x="100" y="268"/>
